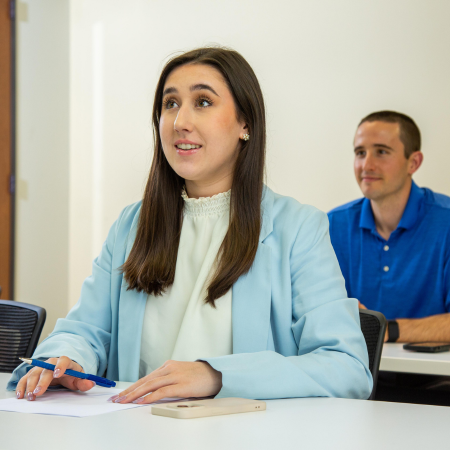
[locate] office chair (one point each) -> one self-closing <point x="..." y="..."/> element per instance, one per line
<point x="373" y="326"/>
<point x="20" y="328"/>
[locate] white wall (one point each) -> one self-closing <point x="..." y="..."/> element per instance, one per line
<point x="322" y="65"/>
<point x="42" y="221"/>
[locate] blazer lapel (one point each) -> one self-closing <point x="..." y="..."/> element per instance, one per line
<point x="252" y="293"/>
<point x="131" y="315"/>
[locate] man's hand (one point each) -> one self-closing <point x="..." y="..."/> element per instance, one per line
<point x="173" y="379"/>
<point x="361" y="306"/>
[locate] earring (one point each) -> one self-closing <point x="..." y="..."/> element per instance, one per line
<point x="246" y="137"/>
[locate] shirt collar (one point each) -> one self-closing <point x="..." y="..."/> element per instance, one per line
<point x="412" y="210"/>
<point x="367" y="220"/>
<point x="409" y="217"/>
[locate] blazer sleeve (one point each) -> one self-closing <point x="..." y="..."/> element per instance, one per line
<point x="332" y="358"/>
<point x="84" y="335"/>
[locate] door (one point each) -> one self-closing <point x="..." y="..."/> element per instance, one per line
<point x="6" y="149"/>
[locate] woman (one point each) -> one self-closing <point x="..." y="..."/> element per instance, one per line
<point x="214" y="285"/>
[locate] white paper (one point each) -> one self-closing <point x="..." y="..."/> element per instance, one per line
<point x="71" y="403"/>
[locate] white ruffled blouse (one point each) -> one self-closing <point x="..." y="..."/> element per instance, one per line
<point x="179" y="325"/>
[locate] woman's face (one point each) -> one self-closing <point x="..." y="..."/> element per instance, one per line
<point x="199" y="129"/>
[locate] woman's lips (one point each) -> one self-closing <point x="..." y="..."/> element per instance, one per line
<point x="182" y="152"/>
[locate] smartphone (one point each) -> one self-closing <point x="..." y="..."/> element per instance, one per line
<point x="428" y="347"/>
<point x="209" y="407"/>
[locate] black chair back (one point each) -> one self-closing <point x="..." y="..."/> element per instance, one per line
<point x="373" y="327"/>
<point x="20" y="328"/>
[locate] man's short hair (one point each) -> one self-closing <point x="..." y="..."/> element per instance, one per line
<point x="409" y="131"/>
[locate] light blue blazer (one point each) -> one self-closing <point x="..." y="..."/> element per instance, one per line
<point x="295" y="332"/>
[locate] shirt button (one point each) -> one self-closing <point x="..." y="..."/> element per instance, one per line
<point x="386" y="248"/>
<point x="386" y="268"/>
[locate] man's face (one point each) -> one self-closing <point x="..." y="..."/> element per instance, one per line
<point x="381" y="167"/>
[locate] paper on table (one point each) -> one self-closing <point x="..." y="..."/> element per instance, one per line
<point x="71" y="403"/>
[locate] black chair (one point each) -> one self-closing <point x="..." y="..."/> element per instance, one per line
<point x="373" y="326"/>
<point x="20" y="328"/>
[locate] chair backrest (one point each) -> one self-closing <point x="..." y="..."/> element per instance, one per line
<point x="373" y="327"/>
<point x="20" y="328"/>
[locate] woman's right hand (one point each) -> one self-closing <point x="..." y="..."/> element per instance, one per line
<point x="37" y="380"/>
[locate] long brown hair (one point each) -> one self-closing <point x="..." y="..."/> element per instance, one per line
<point x="150" y="266"/>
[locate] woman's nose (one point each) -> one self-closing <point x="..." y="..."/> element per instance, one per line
<point x="183" y="121"/>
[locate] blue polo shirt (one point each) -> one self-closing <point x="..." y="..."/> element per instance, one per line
<point x="407" y="276"/>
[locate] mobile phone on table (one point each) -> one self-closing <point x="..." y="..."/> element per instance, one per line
<point x="209" y="407"/>
<point x="428" y="347"/>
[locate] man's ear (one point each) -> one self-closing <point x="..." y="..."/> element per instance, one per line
<point x="415" y="161"/>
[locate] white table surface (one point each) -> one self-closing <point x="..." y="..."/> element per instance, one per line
<point x="311" y="423"/>
<point x="395" y="359"/>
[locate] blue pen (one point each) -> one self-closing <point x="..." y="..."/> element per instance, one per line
<point x="99" y="381"/>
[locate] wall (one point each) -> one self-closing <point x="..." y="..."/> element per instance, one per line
<point x="42" y="221"/>
<point x="322" y="67"/>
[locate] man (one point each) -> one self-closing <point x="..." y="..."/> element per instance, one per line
<point x="393" y="245"/>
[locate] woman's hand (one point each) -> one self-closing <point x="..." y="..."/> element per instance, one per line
<point x="173" y="379"/>
<point x="37" y="380"/>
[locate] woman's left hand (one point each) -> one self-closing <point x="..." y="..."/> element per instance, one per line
<point x="173" y="379"/>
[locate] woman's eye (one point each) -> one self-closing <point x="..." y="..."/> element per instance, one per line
<point x="170" y="104"/>
<point x="204" y="102"/>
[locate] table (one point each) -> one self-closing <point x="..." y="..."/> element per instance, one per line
<point x="395" y="359"/>
<point x="310" y="423"/>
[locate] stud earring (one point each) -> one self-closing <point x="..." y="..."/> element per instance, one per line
<point x="246" y="137"/>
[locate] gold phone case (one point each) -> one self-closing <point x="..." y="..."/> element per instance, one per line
<point x="209" y="407"/>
